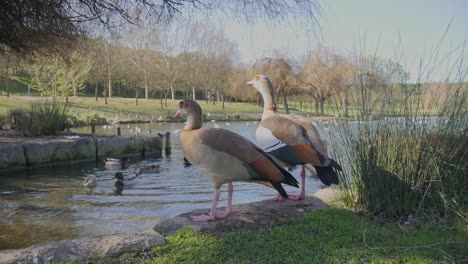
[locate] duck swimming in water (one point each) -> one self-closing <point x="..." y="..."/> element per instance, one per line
<point x="90" y="182"/>
<point x="146" y="168"/>
<point x="114" y="163"/>
<point x="124" y="180"/>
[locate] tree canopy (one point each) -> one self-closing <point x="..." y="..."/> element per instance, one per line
<point x="29" y="25"/>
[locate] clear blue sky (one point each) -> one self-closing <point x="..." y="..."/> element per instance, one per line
<point x="375" y="26"/>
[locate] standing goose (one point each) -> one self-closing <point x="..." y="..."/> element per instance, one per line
<point x="226" y="157"/>
<point x="292" y="139"/>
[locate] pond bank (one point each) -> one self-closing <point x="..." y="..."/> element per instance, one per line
<point x="24" y="152"/>
<point x="251" y="216"/>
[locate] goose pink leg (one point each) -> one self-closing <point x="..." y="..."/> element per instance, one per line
<point x="211" y="216"/>
<point x="301" y="196"/>
<point x="228" y="210"/>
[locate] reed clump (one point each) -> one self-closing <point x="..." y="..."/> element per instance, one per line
<point x="406" y="157"/>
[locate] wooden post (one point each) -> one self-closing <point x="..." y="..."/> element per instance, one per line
<point x="168" y="143"/>
<point x="118" y="131"/>
<point x="93" y="129"/>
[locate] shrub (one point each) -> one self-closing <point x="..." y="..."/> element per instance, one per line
<point x="3" y="122"/>
<point x="48" y="117"/>
<point x="96" y="120"/>
<point x="18" y="118"/>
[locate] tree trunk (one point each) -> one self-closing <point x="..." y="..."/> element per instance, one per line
<point x="7" y="81"/>
<point x="110" y="85"/>
<point x="165" y="98"/>
<point x="146" y="87"/>
<point x="105" y="93"/>
<point x="317" y="105"/>
<point x="222" y="100"/>
<point x="300" y="105"/>
<point x="161" y="100"/>
<point x="285" y="101"/>
<point x="74" y="88"/>
<point x="172" y="92"/>
<point x="96" y="90"/>
<point x="136" y="96"/>
<point x="194" y="95"/>
<point x="322" y="101"/>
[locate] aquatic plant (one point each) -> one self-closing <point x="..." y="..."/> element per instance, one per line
<point x="407" y="148"/>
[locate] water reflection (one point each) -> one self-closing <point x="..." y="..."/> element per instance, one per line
<point x="49" y="204"/>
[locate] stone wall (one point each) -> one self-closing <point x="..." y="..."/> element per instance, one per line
<point x="22" y="153"/>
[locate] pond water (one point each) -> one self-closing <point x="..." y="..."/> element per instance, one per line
<point x="49" y="204"/>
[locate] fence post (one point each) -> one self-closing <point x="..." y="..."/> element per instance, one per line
<point x="168" y="143"/>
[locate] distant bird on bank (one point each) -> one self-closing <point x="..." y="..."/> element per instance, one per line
<point x="90" y="182"/>
<point x="292" y="140"/>
<point x="226" y="157"/>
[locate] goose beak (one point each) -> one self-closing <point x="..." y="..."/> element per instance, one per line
<point x="176" y="116"/>
<point x="250" y="82"/>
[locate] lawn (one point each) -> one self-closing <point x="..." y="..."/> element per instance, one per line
<point x="326" y="236"/>
<point x="86" y="105"/>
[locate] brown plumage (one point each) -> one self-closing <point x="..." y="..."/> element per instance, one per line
<point x="226" y="157"/>
<point x="292" y="139"/>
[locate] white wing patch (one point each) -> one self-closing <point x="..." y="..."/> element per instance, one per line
<point x="266" y="140"/>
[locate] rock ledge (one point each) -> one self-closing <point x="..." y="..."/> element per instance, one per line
<point x="83" y="249"/>
<point x="246" y="217"/>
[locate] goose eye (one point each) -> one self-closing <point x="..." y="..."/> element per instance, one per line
<point x="257" y="77"/>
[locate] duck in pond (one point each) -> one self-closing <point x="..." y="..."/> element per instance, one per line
<point x="116" y="163"/>
<point x="90" y="182"/>
<point x="147" y="168"/>
<point x="226" y="157"/>
<point x="124" y="180"/>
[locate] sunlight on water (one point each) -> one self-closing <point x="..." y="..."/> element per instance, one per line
<point x="49" y="204"/>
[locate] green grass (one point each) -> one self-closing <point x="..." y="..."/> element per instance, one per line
<point x="127" y="105"/>
<point x="325" y="236"/>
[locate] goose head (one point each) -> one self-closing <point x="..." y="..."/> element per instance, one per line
<point x="263" y="85"/>
<point x="194" y="114"/>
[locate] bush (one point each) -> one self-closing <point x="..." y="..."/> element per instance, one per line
<point x="96" y="120"/>
<point x="3" y="122"/>
<point x="18" y="119"/>
<point x="42" y="118"/>
<point x="48" y="117"/>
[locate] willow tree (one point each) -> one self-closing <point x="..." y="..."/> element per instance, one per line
<point x="30" y="25"/>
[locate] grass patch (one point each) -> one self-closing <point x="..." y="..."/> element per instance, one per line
<point x="324" y="236"/>
<point x="127" y="106"/>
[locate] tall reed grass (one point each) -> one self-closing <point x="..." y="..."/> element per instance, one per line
<point x="406" y="153"/>
<point x="42" y="118"/>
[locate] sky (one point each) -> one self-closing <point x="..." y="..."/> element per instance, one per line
<point x="407" y="31"/>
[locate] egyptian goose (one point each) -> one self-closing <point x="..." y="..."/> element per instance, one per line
<point x="292" y="139"/>
<point x="226" y="157"/>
